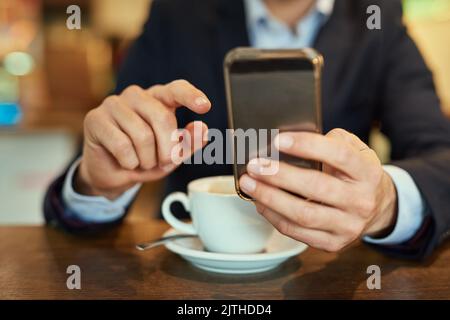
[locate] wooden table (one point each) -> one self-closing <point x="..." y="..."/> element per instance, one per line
<point x="33" y="263"/>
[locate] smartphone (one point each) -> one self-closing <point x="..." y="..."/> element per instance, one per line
<point x="270" y="91"/>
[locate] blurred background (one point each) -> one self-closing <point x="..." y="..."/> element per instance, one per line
<point x="51" y="76"/>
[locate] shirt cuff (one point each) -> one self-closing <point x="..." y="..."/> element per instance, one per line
<point x="95" y="209"/>
<point x="411" y="208"/>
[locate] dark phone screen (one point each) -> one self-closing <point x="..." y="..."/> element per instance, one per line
<point x="272" y="94"/>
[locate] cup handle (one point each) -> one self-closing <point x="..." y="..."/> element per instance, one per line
<point x="170" y="218"/>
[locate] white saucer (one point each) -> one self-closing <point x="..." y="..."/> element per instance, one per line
<point x="278" y="249"/>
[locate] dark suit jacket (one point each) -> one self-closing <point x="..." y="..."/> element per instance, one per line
<point x="370" y="77"/>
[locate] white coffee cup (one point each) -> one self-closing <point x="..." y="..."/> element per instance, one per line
<point x="223" y="221"/>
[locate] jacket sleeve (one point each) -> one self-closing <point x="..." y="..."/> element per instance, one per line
<point x="143" y="66"/>
<point x="419" y="132"/>
<point x="57" y="214"/>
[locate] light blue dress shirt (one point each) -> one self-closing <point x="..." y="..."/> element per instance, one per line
<point x="265" y="31"/>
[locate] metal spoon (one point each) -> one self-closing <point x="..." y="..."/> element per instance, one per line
<point x="163" y="240"/>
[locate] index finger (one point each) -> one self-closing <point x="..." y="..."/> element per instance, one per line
<point x="181" y="93"/>
<point x="314" y="146"/>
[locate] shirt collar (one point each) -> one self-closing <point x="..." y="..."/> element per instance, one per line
<point x="257" y="12"/>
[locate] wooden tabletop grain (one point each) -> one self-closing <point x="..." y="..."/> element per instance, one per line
<point x="34" y="260"/>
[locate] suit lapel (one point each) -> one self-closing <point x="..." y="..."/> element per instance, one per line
<point x="232" y="28"/>
<point x="334" y="41"/>
<point x="229" y="24"/>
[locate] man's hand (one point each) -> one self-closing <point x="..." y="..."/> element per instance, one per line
<point x="129" y="138"/>
<point x="353" y="196"/>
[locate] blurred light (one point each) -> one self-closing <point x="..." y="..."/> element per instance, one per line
<point x="429" y="9"/>
<point x="9" y="86"/>
<point x="18" y="63"/>
<point x="10" y="113"/>
<point x="23" y="32"/>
